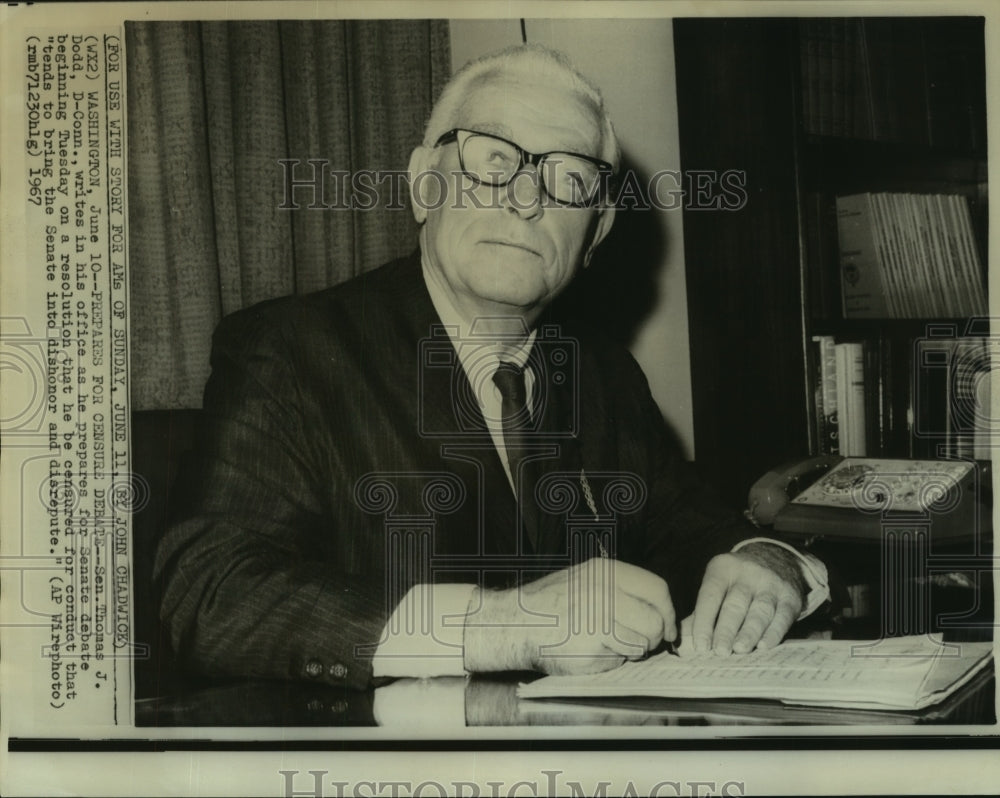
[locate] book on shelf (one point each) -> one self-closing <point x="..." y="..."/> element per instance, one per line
<point x="858" y="80"/>
<point x="905" y="673"/>
<point x="908" y="256"/>
<point x="874" y="391"/>
<point x="825" y="75"/>
<point x="830" y="63"/>
<point x="851" y="405"/>
<point x="864" y="278"/>
<point x="827" y="426"/>
<point x="895" y="422"/>
<point x="896" y="89"/>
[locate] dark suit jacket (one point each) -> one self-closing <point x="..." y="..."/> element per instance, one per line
<point x="341" y="459"/>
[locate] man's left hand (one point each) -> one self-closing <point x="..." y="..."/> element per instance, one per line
<point x="747" y="600"/>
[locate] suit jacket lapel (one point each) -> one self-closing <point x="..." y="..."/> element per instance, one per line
<point x="450" y="420"/>
<point x="556" y="406"/>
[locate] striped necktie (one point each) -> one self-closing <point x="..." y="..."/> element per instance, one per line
<point x="517" y="427"/>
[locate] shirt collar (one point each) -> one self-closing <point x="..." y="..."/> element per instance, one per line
<point x="471" y="345"/>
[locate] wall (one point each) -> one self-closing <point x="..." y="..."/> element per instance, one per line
<point x="632" y="61"/>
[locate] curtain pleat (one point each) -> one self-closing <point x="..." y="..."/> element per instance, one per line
<point x="316" y="69"/>
<point x="219" y="135"/>
<point x="213" y="110"/>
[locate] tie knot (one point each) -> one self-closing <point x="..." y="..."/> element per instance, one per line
<point x="509" y="379"/>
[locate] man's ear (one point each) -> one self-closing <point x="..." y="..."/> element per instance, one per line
<point x="601" y="229"/>
<point x="420" y="160"/>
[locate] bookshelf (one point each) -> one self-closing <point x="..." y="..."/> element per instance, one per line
<point x="891" y="120"/>
<point x="814" y="110"/>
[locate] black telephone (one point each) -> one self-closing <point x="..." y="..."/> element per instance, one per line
<point x="859" y="497"/>
<point x="772" y="492"/>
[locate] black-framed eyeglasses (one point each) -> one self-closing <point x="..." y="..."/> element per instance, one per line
<point x="570" y="179"/>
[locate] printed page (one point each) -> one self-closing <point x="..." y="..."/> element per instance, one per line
<point x="892" y="673"/>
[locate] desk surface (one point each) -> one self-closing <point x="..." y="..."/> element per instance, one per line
<point x="481" y="701"/>
<point x="448" y="705"/>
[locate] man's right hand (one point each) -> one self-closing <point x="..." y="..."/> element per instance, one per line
<point x="584" y="619"/>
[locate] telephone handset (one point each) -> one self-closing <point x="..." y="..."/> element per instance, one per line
<point x="772" y="492"/>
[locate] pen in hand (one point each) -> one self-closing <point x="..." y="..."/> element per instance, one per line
<point x="588" y="495"/>
<point x="664" y="646"/>
<point x="673" y="647"/>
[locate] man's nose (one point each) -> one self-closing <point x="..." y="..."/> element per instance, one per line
<point x="524" y="193"/>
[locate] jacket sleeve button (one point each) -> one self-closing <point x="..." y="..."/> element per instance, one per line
<point x="314" y="668"/>
<point x="338" y="671"/>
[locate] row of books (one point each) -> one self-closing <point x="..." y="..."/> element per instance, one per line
<point x="840" y="397"/>
<point x="836" y="89"/>
<point x="906" y="80"/>
<point x="925" y="398"/>
<point x="908" y="255"/>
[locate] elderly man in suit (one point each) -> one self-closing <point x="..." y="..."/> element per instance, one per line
<point x="418" y="473"/>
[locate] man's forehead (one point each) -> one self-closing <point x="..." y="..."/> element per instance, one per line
<point x="535" y="115"/>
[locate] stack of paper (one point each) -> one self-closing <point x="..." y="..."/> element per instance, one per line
<point x="904" y="673"/>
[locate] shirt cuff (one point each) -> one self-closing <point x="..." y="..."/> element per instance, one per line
<point x="423" y="637"/>
<point x="814" y="571"/>
<point x="423" y="706"/>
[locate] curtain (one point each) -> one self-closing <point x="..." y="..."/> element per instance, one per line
<point x="213" y="110"/>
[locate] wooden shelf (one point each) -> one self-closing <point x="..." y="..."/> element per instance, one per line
<point x="849" y="329"/>
<point x="834" y="165"/>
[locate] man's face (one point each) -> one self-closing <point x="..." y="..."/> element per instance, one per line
<point x="520" y="250"/>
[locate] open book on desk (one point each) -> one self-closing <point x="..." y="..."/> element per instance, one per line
<point x="901" y="673"/>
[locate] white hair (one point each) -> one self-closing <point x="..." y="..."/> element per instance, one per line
<point x="530" y="62"/>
